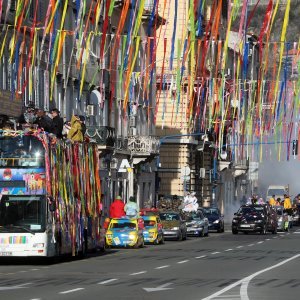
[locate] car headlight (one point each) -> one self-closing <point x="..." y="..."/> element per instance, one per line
<point x="38" y="245"/>
<point x="132" y="236"/>
<point x="234" y="221"/>
<point x="175" y="228"/>
<point x="216" y="222"/>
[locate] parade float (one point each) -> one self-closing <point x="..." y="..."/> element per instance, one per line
<point x="50" y="199"/>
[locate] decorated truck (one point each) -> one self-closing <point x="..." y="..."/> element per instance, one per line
<point x="49" y="195"/>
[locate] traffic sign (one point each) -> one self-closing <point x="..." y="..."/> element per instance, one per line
<point x="185" y="171"/>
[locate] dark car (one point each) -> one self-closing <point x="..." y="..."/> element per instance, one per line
<point x="255" y="218"/>
<point x="174" y="226"/>
<point x="215" y="218"/>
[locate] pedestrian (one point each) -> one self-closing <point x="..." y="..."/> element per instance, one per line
<point x="57" y="123"/>
<point x="287" y="202"/>
<point x="278" y="201"/>
<point x="116" y="209"/>
<point x="75" y="132"/>
<point x="272" y="201"/>
<point x="131" y="208"/>
<point x="43" y="121"/>
<point x="27" y="118"/>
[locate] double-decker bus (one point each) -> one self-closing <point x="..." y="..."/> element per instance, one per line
<point x="49" y="196"/>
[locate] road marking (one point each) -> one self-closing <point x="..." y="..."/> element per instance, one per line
<point x="183" y="261"/>
<point x="202" y="256"/>
<point x="162" y="267"/>
<point x="228" y="250"/>
<point x="14" y="287"/>
<point x="213" y="253"/>
<point x="34" y="269"/>
<point x="260" y="242"/>
<point x="245" y="281"/>
<point x="297" y="232"/>
<point x="138" y="273"/>
<point x="71" y="291"/>
<point x="162" y="287"/>
<point x="250" y="245"/>
<point x="23" y="271"/>
<point x="275" y="237"/>
<point x="238" y="247"/>
<point x="267" y="239"/>
<point x="228" y="296"/>
<point x="107" y="281"/>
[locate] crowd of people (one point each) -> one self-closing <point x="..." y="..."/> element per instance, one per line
<point x="52" y="123"/>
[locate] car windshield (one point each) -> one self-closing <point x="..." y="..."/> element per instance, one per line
<point x="123" y="225"/>
<point x="276" y="192"/>
<point x="149" y="223"/>
<point x="169" y="217"/>
<point x="250" y="210"/>
<point x="211" y="211"/>
<point x="195" y="216"/>
<point x="27" y="212"/>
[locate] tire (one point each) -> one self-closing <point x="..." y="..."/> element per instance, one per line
<point x="234" y="231"/>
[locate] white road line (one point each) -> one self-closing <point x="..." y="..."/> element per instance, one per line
<point x="228" y="296"/>
<point x="138" y="273"/>
<point x="213" y="253"/>
<point x="250" y="245"/>
<point x="228" y="250"/>
<point x="238" y="247"/>
<point x="297" y="232"/>
<point x="107" y="281"/>
<point x="260" y="242"/>
<point x="267" y="239"/>
<point x="202" y="256"/>
<point x="275" y="237"/>
<point x="23" y="271"/>
<point x="71" y="291"/>
<point x="183" y="261"/>
<point x="34" y="269"/>
<point x="162" y="267"/>
<point x="245" y="281"/>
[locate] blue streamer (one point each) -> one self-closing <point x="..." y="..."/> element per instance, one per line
<point x="173" y="35"/>
<point x="199" y="31"/>
<point x="150" y="24"/>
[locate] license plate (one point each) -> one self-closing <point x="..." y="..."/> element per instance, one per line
<point x="117" y="241"/>
<point x="246" y="226"/>
<point x="5" y="253"/>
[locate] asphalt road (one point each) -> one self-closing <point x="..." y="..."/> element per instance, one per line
<point x="221" y="267"/>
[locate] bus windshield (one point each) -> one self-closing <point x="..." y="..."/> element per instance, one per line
<point x="21" y="151"/>
<point x="22" y="213"/>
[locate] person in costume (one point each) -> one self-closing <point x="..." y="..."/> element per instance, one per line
<point x="116" y="209"/>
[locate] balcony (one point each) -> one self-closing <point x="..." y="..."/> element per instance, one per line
<point x="121" y="143"/>
<point x="104" y="136"/>
<point x="143" y="145"/>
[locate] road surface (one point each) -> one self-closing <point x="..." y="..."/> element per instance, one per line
<point x="221" y="267"/>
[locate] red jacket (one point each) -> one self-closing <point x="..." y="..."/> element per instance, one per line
<point x="116" y="209"/>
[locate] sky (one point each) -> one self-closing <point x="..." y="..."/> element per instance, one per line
<point x="279" y="173"/>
